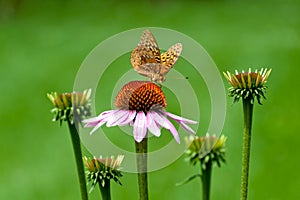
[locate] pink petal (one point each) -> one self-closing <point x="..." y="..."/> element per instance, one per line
<point x="186" y="127"/>
<point x="130" y="117"/>
<point x="139" y="126"/>
<point x="91" y="124"/>
<point x="164" y="122"/>
<point x="152" y="126"/>
<point x="180" y="119"/>
<point x="174" y="132"/>
<point x="116" y="117"/>
<point x="161" y="120"/>
<point x="124" y="118"/>
<point x="100" y="117"/>
<point x="97" y="126"/>
<point x="98" y="121"/>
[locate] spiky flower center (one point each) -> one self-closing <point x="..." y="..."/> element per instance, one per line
<point x="140" y="96"/>
<point x="251" y="79"/>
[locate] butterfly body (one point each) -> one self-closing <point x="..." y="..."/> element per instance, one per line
<point x="147" y="60"/>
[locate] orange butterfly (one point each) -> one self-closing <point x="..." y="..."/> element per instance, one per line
<point x="147" y="60"/>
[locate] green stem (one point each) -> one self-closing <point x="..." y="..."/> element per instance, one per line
<point x="141" y="159"/>
<point x="206" y="179"/>
<point x="78" y="157"/>
<point x="248" y="112"/>
<point x="105" y="191"/>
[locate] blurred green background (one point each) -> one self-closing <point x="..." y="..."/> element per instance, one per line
<point x="43" y="43"/>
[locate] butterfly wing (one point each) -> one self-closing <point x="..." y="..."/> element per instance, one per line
<point x="146" y="55"/>
<point x="169" y="58"/>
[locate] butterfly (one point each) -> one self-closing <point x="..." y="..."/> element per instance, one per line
<point x="147" y="60"/>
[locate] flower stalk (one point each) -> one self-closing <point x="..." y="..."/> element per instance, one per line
<point x="105" y="191"/>
<point x="141" y="149"/>
<point x="206" y="180"/>
<point x="78" y="157"/>
<point x="248" y="113"/>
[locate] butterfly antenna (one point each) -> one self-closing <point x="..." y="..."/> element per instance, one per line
<point x="181" y="78"/>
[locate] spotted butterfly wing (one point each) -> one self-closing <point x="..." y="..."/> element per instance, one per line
<point x="146" y="55"/>
<point x="147" y="60"/>
<point x="169" y="58"/>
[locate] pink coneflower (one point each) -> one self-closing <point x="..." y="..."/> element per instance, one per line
<point x="141" y="104"/>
